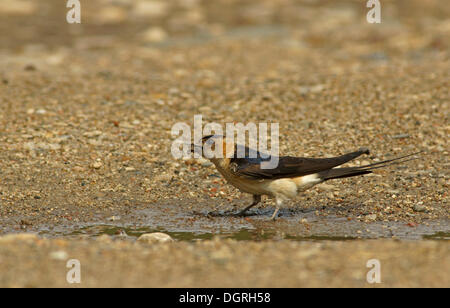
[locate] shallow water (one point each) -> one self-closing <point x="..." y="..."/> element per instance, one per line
<point x="241" y="235"/>
<point x="185" y="225"/>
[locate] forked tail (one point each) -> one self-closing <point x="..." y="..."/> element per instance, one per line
<point x="338" y="173"/>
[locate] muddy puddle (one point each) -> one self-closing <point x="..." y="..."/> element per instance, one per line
<point x="190" y="225"/>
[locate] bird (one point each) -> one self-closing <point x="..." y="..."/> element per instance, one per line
<point x="291" y="176"/>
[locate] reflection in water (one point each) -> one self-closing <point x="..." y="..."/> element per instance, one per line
<point x="241" y="235"/>
<point x="438" y="236"/>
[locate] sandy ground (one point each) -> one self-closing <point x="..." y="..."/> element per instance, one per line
<point x="34" y="262"/>
<point x="87" y="111"/>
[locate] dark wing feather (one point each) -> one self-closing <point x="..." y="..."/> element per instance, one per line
<point x="288" y="166"/>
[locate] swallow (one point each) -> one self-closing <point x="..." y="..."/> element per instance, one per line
<point x="291" y="176"/>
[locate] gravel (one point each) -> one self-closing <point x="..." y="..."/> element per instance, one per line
<point x="87" y="111"/>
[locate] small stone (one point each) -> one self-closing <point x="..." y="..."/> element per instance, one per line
<point x="150" y="9"/>
<point x="114" y="218"/>
<point x="156" y="237"/>
<point x="311" y="89"/>
<point x="49" y="146"/>
<point x="154" y="35"/>
<point x="97" y="165"/>
<point x="324" y="186"/>
<point x="204" y="162"/>
<point x="78" y="169"/>
<point x="401" y="136"/>
<point x="59" y="255"/>
<point x="95" y="142"/>
<point x="419" y="208"/>
<point x="371" y="217"/>
<point x="164" y="177"/>
<point x="29" y="146"/>
<point x="92" y="134"/>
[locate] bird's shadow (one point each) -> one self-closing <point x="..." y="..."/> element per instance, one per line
<point x="256" y="212"/>
<point x="225" y="214"/>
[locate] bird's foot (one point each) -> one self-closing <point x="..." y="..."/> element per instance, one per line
<point x="225" y="214"/>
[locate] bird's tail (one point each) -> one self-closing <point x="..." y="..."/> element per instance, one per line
<point x="338" y="173"/>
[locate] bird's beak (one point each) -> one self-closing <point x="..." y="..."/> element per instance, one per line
<point x="196" y="148"/>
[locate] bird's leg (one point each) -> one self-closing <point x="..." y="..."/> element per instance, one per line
<point x="277" y="209"/>
<point x="256" y="200"/>
<point x="274" y="215"/>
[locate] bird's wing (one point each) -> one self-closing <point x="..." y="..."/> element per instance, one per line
<point x="289" y="167"/>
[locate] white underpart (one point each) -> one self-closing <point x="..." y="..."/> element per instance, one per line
<point x="307" y="181"/>
<point x="284" y="189"/>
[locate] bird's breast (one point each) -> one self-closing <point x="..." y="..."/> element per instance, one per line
<point x="256" y="187"/>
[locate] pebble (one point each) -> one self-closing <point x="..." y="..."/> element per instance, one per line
<point x="164" y="177"/>
<point x="156" y="237"/>
<point x="324" y="186"/>
<point x="92" y="134"/>
<point x="59" y="255"/>
<point x="97" y="165"/>
<point x="154" y="35"/>
<point x="419" y="208"/>
<point x="150" y="9"/>
<point x="401" y="136"/>
<point x="204" y="162"/>
<point x="371" y="217"/>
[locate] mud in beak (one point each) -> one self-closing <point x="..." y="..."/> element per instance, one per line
<point x="196" y="148"/>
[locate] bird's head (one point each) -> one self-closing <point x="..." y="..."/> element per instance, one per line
<point x="214" y="147"/>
